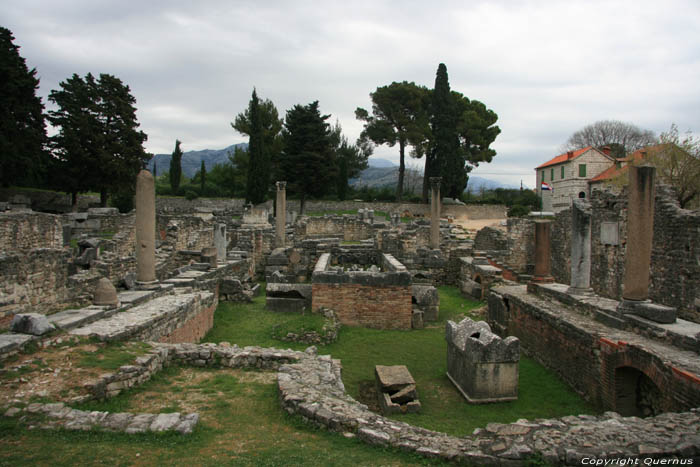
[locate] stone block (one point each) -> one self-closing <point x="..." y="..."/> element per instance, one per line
<point x="417" y="319"/>
<point x="396" y="389"/>
<point x="31" y="323"/>
<point x="482" y="366"/>
<point x="285" y="304"/>
<point x="609" y="233"/>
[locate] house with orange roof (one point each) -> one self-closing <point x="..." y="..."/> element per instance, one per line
<point x="566" y="177"/>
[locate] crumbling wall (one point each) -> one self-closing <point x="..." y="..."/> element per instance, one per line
<point x="27" y="230"/>
<point x="675" y="260"/>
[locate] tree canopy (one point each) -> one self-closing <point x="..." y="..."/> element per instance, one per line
<point x="308" y="161"/>
<point x="677" y="161"/>
<point x="175" y="173"/>
<point x="261" y="123"/>
<point x="22" y="126"/>
<point x="98" y="146"/>
<point x="622" y="137"/>
<point x="399" y="116"/>
<point x="352" y="158"/>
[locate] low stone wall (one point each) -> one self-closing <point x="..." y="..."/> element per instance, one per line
<point x="29" y="230"/>
<point x="165" y="318"/>
<point x="313" y="389"/>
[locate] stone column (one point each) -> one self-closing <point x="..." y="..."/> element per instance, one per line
<point x="543" y="262"/>
<point x="281" y="220"/>
<point x="145" y="227"/>
<point x="580" y="248"/>
<point x="640" y="232"/>
<point x="435" y="212"/>
<point x="220" y="242"/>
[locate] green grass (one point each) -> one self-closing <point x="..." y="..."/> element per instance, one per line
<point x="242" y="423"/>
<point x="113" y="355"/>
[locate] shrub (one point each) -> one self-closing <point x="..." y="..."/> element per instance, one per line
<point x="518" y="210"/>
<point x="190" y="195"/>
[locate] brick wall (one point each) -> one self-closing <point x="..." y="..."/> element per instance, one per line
<point x="194" y="329"/>
<point x="376" y="307"/>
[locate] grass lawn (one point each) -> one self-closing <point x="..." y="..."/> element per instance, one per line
<point x="241" y="422"/>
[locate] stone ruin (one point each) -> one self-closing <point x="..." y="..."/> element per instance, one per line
<point x="396" y="390"/>
<point x="636" y="359"/>
<point x="481" y="365"/>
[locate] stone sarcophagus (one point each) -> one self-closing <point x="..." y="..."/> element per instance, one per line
<point x="480" y="364"/>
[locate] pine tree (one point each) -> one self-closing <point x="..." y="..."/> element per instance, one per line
<point x="176" y="167"/>
<point x="308" y="161"/>
<point x="22" y="127"/>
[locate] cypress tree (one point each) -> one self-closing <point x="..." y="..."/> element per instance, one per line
<point x="446" y="159"/>
<point x="176" y="167"/>
<point x="202" y="177"/>
<point x="258" y="163"/>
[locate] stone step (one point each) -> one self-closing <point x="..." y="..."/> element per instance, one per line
<point x="142" y="319"/>
<point x="71" y="319"/>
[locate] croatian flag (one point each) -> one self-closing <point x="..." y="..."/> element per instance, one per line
<point x="546" y="187"/>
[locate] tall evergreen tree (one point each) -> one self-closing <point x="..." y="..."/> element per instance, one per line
<point x="352" y="158"/>
<point x="308" y="161"/>
<point x="155" y="170"/>
<point x="444" y="159"/>
<point x="98" y="145"/>
<point x="202" y="177"/>
<point x="258" y="182"/>
<point x="176" y="167"/>
<point x="22" y="127"/>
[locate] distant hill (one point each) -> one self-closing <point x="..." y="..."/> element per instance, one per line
<point x="380" y="163"/>
<point x="192" y="160"/>
<point x="380" y="173"/>
<point x="379" y="177"/>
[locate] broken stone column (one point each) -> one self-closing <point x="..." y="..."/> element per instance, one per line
<point x="640" y="233"/>
<point x="145" y="228"/>
<point x="482" y="366"/>
<point x="370" y="216"/>
<point x="435" y="212"/>
<point x="543" y="262"/>
<point x="220" y="242"/>
<point x="281" y="220"/>
<point x="106" y="294"/>
<point x="580" y="248"/>
<point x="208" y="255"/>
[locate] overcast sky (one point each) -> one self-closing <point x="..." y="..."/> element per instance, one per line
<point x="547" y="68"/>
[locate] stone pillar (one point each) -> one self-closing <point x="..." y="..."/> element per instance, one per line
<point x="543" y="262"/>
<point x="281" y="220"/>
<point x="220" y="242"/>
<point x="435" y="212"/>
<point x="580" y="248"/>
<point x="640" y="232"/>
<point x="145" y="228"/>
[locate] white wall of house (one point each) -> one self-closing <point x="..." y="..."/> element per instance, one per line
<point x="572" y="183"/>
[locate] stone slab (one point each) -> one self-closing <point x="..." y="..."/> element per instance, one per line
<point x="393" y="378"/>
<point x="134" y="297"/>
<point x="71" y="319"/>
<point x="10" y="341"/>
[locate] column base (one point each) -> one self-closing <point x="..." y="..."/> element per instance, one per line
<point x="579" y="291"/>
<point x="646" y="309"/>
<point x="152" y="285"/>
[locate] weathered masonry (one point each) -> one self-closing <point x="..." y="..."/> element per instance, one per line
<point x="379" y="300"/>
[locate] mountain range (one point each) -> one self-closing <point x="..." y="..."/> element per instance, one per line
<point x="380" y="173"/>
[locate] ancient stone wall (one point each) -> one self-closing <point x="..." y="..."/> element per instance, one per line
<point x="42" y="281"/>
<point x="349" y="228"/>
<point x="490" y="238"/>
<point x="27" y="230"/>
<point x="184" y="232"/>
<point x="675" y="261"/>
<point x="521" y="245"/>
<point x="194" y="328"/>
<point x="591" y="357"/>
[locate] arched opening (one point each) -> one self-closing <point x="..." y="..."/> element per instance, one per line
<point x="636" y="394"/>
<point x="582" y="194"/>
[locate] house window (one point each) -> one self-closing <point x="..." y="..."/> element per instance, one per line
<point x="542" y="175"/>
<point x="552" y="174"/>
<point x="582" y="170"/>
<point x="562" y="172"/>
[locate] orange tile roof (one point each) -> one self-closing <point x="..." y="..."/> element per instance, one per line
<point x="563" y="158"/>
<point x="614" y="172"/>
